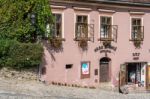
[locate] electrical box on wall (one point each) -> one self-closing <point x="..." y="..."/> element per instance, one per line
<point x="96" y="72"/>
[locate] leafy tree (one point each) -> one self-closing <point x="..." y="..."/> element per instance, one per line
<point x="16" y="22"/>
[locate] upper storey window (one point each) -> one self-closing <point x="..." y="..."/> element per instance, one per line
<point x="81" y="26"/>
<point x="56" y="29"/>
<point x="137" y="29"/>
<point x="106" y="28"/>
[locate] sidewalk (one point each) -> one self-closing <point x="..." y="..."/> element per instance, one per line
<point x="23" y="89"/>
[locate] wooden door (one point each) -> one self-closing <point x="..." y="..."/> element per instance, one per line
<point x="104" y="72"/>
<point x="148" y="78"/>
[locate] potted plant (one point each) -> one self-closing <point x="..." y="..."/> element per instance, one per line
<point x="106" y="43"/>
<point x="83" y="43"/>
<point x="137" y="43"/>
<point x="55" y="42"/>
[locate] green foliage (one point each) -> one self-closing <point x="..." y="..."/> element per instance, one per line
<point x="15" y="18"/>
<point x="20" y="55"/>
<point x="15" y="25"/>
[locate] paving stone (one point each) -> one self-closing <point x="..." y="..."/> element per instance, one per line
<point x="12" y="89"/>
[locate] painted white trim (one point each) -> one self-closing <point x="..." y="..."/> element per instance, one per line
<point x="112" y="20"/>
<point x="74" y="25"/>
<point x="83" y="9"/>
<point x="106" y="11"/>
<point x="57" y="7"/>
<point x="142" y="21"/>
<point x="62" y="14"/>
<point x="143" y="76"/>
<point x="137" y="13"/>
<point x="99" y="26"/>
<point x="130" y="31"/>
<point x="63" y="26"/>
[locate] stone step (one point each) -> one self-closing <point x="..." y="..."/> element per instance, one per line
<point x="138" y="90"/>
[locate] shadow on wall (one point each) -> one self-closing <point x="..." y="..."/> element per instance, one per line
<point x="51" y="49"/>
<point x="42" y="69"/>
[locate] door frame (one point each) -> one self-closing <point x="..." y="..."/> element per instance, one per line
<point x="109" y="69"/>
<point x="147" y="74"/>
<point x="126" y="72"/>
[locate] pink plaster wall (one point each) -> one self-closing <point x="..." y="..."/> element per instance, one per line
<point x="72" y="54"/>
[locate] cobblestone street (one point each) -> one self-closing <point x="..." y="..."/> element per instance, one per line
<point x="11" y="89"/>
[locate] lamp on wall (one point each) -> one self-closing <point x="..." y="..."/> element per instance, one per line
<point x="33" y="22"/>
<point x="33" y="18"/>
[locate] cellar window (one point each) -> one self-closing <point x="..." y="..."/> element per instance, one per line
<point x="69" y="66"/>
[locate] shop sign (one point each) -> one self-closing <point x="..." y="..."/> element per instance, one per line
<point x="102" y="48"/>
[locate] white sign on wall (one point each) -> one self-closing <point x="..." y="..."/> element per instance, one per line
<point x="143" y="74"/>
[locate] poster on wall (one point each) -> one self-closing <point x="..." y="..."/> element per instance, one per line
<point x="85" y="70"/>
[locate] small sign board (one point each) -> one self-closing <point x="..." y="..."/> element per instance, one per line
<point x="85" y="69"/>
<point x="136" y="56"/>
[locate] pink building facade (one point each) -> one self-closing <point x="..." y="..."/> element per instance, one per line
<point x="98" y="42"/>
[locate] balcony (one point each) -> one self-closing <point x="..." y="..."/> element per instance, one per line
<point x="84" y="32"/>
<point x="108" y="33"/>
<point x="137" y="33"/>
<point x="81" y="31"/>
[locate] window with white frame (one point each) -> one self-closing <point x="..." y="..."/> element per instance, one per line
<point x="81" y="26"/>
<point x="105" y="29"/>
<point x="137" y="29"/>
<point x="56" y="27"/>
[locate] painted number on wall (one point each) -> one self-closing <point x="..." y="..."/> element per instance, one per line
<point x="136" y="56"/>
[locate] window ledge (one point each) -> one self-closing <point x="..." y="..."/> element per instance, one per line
<point x="57" y="38"/>
<point x="106" y="11"/>
<point x="105" y="39"/>
<point x="81" y="38"/>
<point x="58" y="7"/>
<point x="83" y="9"/>
<point x="135" y="39"/>
<point x="137" y="13"/>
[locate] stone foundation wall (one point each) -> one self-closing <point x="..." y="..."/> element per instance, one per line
<point x="19" y="75"/>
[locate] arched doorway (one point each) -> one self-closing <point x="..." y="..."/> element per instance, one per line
<point x="105" y="69"/>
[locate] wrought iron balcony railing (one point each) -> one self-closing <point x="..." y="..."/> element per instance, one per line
<point x="137" y="33"/>
<point x="108" y="33"/>
<point x="84" y="31"/>
<point x="81" y="31"/>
